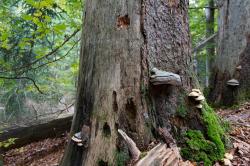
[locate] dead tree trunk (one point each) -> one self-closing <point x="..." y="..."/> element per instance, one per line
<point x="233" y="57"/>
<point x="122" y="42"/>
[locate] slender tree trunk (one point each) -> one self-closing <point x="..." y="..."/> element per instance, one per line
<point x="210" y="49"/>
<point x="121" y="42"/>
<point x="232" y="61"/>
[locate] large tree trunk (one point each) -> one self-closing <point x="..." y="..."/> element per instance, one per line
<point x="122" y="42"/>
<point x="232" y="61"/>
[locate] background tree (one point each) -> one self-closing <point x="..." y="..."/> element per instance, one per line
<point x="232" y="61"/>
<point x="121" y="43"/>
<point x="203" y="25"/>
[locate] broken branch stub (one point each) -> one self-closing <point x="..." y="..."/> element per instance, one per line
<point x="134" y="151"/>
<point x="160" y="155"/>
<point x="160" y="77"/>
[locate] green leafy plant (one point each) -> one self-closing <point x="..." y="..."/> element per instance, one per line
<point x="7" y="143"/>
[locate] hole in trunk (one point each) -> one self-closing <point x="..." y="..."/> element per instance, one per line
<point x="131" y="108"/>
<point x="106" y="130"/>
<point x="102" y="163"/>
<point x="123" y="22"/>
<point x="96" y="128"/>
<point x="115" y="105"/>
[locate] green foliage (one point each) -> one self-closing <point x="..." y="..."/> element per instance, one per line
<point x="32" y="33"/>
<point x="7" y="143"/>
<point x="121" y="158"/>
<point x="207" y="147"/>
<point x="198" y="25"/>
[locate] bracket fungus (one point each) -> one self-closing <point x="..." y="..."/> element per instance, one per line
<point x="198" y="97"/>
<point x="233" y="83"/>
<point x="160" y="77"/>
<point x="77" y="138"/>
<point x="239" y="67"/>
<point x="82" y="138"/>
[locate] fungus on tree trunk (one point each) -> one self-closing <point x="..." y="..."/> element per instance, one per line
<point x="160" y="77"/>
<point x="233" y="83"/>
<point x="197" y="98"/>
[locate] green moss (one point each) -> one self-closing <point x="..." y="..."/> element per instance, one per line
<point x="121" y="158"/>
<point x="143" y="154"/>
<point x="181" y="110"/>
<point x="199" y="149"/>
<point x="215" y="132"/>
<point x="209" y="146"/>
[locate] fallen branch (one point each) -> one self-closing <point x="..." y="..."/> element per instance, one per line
<point x="21" y="77"/>
<point x="135" y="152"/>
<point x="45" y="56"/>
<point x="204" y="42"/>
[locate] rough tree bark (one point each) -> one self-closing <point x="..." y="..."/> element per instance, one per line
<point x="232" y="61"/>
<point x="210" y="49"/>
<point x="121" y="42"/>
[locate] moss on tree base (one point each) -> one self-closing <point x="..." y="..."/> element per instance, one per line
<point x="209" y="146"/>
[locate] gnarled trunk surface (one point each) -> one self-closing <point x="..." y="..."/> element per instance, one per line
<point x="121" y="42"/>
<point x="232" y="61"/>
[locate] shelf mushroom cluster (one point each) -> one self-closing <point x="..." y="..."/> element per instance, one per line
<point x="233" y="83"/>
<point x="77" y="138"/>
<point x="160" y="77"/>
<point x="197" y="96"/>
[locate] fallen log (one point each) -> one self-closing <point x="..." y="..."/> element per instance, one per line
<point x="36" y="132"/>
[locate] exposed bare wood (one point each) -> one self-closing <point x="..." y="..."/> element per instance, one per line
<point x="160" y="155"/>
<point x="135" y="152"/>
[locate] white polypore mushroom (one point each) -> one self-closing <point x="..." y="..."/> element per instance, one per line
<point x="200" y="98"/>
<point x="196" y="90"/>
<point x="199" y="106"/>
<point x="233" y="82"/>
<point x="194" y="94"/>
<point x="77" y="137"/>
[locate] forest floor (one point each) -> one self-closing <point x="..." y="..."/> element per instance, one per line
<point x="49" y="152"/>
